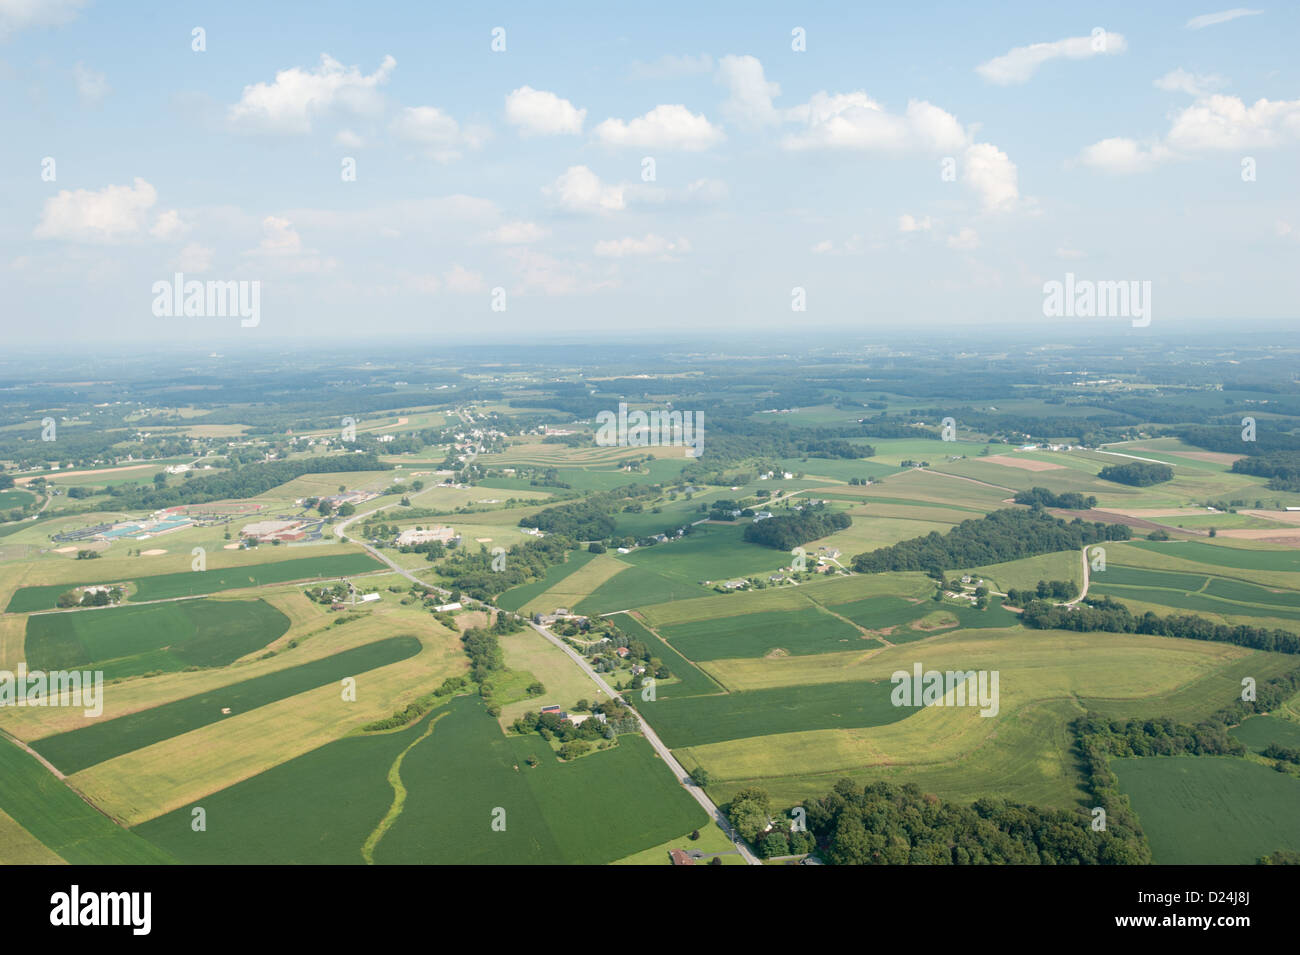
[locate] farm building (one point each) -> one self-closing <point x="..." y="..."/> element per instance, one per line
<point x="409" y="537"/>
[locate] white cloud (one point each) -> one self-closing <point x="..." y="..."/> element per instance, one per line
<point x="194" y="258"/>
<point x="461" y="280"/>
<point x="298" y="97"/>
<point x="279" y="237"/>
<point x="542" y="113"/>
<point x="85" y="215"/>
<point x="824" y="247"/>
<point x="750" y="99"/>
<point x="1118" y="154"/>
<point x="517" y="233"/>
<point x="1212" y="124"/>
<point x="1020" y="63"/>
<point x="537" y="273"/>
<point x="437" y="133"/>
<point x="18" y="15"/>
<point x="92" y="87"/>
<point x="1225" y="122"/>
<point x="664" y="127"/>
<point x="580" y="190"/>
<point x="1223" y="16"/>
<point x="169" y="225"/>
<point x="348" y="139"/>
<point x="856" y="121"/>
<point x="992" y="175"/>
<point x="1193" y="84"/>
<point x="908" y="223"/>
<point x="695" y="193"/>
<point x="650" y="245"/>
<point x="966" y="238"/>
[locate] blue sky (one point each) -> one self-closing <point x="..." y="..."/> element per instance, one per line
<point x="1098" y="140"/>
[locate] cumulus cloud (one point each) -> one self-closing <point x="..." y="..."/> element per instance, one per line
<point x="908" y="223"/>
<point x="992" y="175"/>
<point x="297" y="97"/>
<point x="1212" y="124"/>
<point x="18" y="15"/>
<point x="1193" y="84"/>
<point x="92" y="87"/>
<point x="579" y="189"/>
<point x="664" y="127"/>
<point x="1020" y="63"/>
<point x="651" y="245"/>
<point x="105" y="215"/>
<point x="542" y="113"/>
<point x="1223" y="16"/>
<point x="436" y="133"/>
<point x="750" y="99"/>
<point x="856" y="121"/>
<point x="169" y="225"/>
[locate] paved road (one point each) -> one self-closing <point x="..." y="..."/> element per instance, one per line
<point x="342" y="526"/>
<point x="652" y="737"/>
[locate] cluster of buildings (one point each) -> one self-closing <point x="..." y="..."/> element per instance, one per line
<point x="414" y="536"/>
<point x="277" y="530"/>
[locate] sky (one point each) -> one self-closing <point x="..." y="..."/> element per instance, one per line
<point x="503" y="172"/>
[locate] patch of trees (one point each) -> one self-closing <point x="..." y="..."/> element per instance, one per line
<point x="1227" y="440"/>
<point x="417" y="708"/>
<point x="484" y="650"/>
<point x="473" y="573"/>
<point x="1003" y="535"/>
<point x="247" y="481"/>
<point x="1285" y="753"/>
<point x="1042" y="497"/>
<point x="1053" y="590"/>
<point x="1282" y="468"/>
<point x="1108" y="614"/>
<point x="887" y="824"/>
<point x="750" y="811"/>
<point x="788" y="531"/>
<point x="1137" y="473"/>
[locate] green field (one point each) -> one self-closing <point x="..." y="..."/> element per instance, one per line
<point x="199" y="582"/>
<point x="324" y="806"/>
<point x="1258" y="731"/>
<point x="516" y="597"/>
<point x="62" y="820"/>
<point x="1197" y="592"/>
<point x="126" y="641"/>
<point x="75" y="750"/>
<point x="1223" y="556"/>
<point x="690" y="680"/>
<point x="697" y="720"/>
<point x="757" y="634"/>
<point x="1211" y="810"/>
<point x="637" y="587"/>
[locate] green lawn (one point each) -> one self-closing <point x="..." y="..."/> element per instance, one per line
<point x="516" y="597"/>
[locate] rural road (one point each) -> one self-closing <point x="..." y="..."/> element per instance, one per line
<point x="1086" y="581"/>
<point x="342" y="526"/>
<point x="653" y="738"/>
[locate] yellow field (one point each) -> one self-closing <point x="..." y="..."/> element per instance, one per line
<point x="162" y="777"/>
<point x="565" y="683"/>
<point x="581" y="583"/>
<point x="20" y="847"/>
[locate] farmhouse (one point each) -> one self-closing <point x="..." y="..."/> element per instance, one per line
<point x="273" y="530"/>
<point x="446" y="608"/>
<point x="413" y="536"/>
